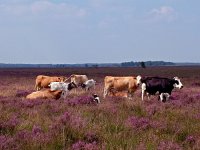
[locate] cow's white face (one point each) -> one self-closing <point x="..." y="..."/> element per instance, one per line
<point x="138" y="78"/>
<point x="179" y="85"/>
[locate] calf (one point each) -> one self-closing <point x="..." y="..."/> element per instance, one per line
<point x="118" y="94"/>
<point x="96" y="98"/>
<point x="45" y="94"/>
<point x="88" y="84"/>
<point x="65" y="87"/>
<point x="164" y="86"/>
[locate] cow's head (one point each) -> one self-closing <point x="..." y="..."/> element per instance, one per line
<point x="83" y="85"/>
<point x="138" y="78"/>
<point x="178" y="83"/>
<point x="61" y="79"/>
<point x="71" y="85"/>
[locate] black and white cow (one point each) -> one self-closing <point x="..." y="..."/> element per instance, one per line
<point x="164" y="86"/>
<point x="62" y="86"/>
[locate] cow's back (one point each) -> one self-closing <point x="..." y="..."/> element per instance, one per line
<point x="158" y="84"/>
<point x="79" y="79"/>
<point x="45" y="94"/>
<point x="34" y="95"/>
<point x="47" y="80"/>
<point x="120" y="83"/>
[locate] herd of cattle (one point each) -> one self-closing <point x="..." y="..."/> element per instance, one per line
<point x="58" y="87"/>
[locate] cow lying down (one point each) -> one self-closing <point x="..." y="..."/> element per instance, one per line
<point x="163" y="86"/>
<point x="45" y="94"/>
<point x="114" y="93"/>
<point x="57" y="90"/>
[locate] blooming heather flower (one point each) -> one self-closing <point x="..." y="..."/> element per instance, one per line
<point x="32" y="103"/>
<point x="139" y="123"/>
<point x="81" y="145"/>
<point x="196" y="84"/>
<point x="22" y="93"/>
<point x="141" y="146"/>
<point x="7" y="143"/>
<point x="190" y="139"/>
<point x="65" y="118"/>
<point x="91" y="137"/>
<point x="78" y="145"/>
<point x="36" y="130"/>
<point x="168" y="145"/>
<point x="151" y="109"/>
<point x="77" y="122"/>
<point x="23" y="135"/>
<point x="82" y="100"/>
<point x="68" y="119"/>
<point x="10" y="125"/>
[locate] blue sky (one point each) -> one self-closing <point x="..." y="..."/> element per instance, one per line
<point x="102" y="31"/>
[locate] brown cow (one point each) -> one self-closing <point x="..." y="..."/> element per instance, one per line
<point x="128" y="84"/>
<point x="118" y="94"/>
<point x="78" y="79"/>
<point x="45" y="94"/>
<point x="43" y="81"/>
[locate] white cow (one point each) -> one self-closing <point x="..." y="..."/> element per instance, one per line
<point x="64" y="87"/>
<point x="88" y="84"/>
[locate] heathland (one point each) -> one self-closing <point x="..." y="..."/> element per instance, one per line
<point x="115" y="123"/>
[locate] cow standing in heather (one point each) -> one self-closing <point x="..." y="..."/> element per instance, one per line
<point x="88" y="84"/>
<point x="78" y="79"/>
<point x="128" y="84"/>
<point x="164" y="86"/>
<point x="43" y="81"/>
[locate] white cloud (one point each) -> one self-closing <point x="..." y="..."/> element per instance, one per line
<point x="166" y="13"/>
<point x="42" y="8"/>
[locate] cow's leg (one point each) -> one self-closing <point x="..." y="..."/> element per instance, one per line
<point x="148" y="96"/>
<point x="105" y="92"/>
<point x="143" y="90"/>
<point x="168" y="96"/>
<point x="129" y="95"/>
<point x="161" y="97"/>
<point x="87" y="88"/>
<point x="37" y="87"/>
